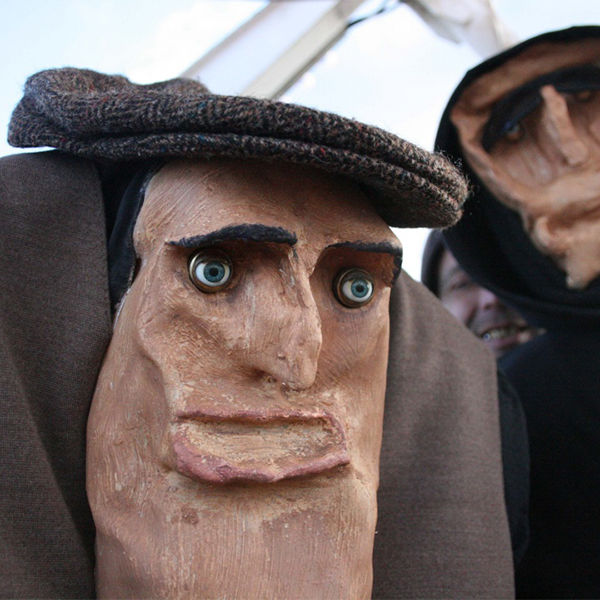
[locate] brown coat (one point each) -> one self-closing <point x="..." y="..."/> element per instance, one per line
<point x="54" y="327"/>
<point x="442" y="530"/>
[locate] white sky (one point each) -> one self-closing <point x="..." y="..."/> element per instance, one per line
<point x="391" y="71"/>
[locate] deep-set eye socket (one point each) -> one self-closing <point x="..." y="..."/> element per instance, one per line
<point x="210" y="270"/>
<point x="353" y="287"/>
<point x="584" y="95"/>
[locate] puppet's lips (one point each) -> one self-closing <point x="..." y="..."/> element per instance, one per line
<point x="252" y="447"/>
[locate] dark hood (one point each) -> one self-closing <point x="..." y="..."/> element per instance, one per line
<point x="490" y="242"/>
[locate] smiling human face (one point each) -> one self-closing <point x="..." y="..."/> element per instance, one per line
<point x="530" y="129"/>
<point x="240" y="404"/>
<point x="499" y="327"/>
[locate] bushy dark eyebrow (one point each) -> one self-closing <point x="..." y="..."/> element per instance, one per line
<point x="394" y="251"/>
<point x="246" y="232"/>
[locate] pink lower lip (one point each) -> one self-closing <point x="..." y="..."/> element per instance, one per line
<point x="257" y="447"/>
<point x="501" y="347"/>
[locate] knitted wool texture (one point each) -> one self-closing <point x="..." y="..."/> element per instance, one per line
<point x="106" y="117"/>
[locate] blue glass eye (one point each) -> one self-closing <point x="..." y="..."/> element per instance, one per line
<point x="210" y="270"/>
<point x="353" y="287"/>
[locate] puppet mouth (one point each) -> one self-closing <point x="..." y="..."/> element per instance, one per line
<point x="257" y="447"/>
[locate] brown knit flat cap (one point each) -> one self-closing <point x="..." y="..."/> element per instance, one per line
<point x="106" y="117"/>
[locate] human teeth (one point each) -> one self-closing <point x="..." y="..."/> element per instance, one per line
<point x="500" y="333"/>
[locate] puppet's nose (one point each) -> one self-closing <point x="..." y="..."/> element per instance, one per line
<point x="288" y="344"/>
<point x="298" y="357"/>
<point x="559" y="126"/>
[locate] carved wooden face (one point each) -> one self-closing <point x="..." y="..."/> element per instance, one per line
<point x="530" y="129"/>
<point x="234" y="435"/>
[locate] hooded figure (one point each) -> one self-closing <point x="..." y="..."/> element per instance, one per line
<point x="525" y="126"/>
<point x="160" y="198"/>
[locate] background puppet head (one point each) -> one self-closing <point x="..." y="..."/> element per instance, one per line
<point x="234" y="435"/>
<point x="528" y="122"/>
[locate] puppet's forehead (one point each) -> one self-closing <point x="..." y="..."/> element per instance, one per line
<point x="533" y="62"/>
<point x="193" y="199"/>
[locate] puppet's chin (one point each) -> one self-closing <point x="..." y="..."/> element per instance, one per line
<point x="257" y="447"/>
